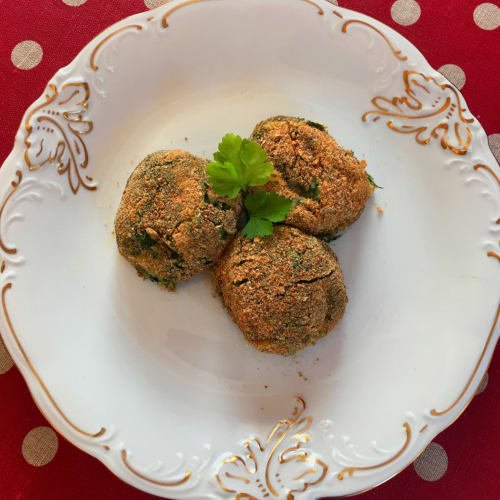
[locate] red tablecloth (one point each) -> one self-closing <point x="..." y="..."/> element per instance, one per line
<point x="461" y="37"/>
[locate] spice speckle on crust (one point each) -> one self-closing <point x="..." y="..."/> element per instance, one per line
<point x="170" y="224"/>
<point x="329" y="184"/>
<point x="284" y="291"/>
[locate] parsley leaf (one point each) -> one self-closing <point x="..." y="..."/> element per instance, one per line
<point x="224" y="179"/>
<point x="238" y="164"/>
<point x="257" y="227"/>
<point x="264" y="208"/>
<point x="268" y="205"/>
<point x="229" y="150"/>
<point x="371" y="180"/>
<point x="258" y="169"/>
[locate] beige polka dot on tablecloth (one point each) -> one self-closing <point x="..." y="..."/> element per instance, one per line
<point x="74" y="3"/>
<point x="487" y="16"/>
<point x="453" y="73"/>
<point x="483" y="384"/>
<point x="26" y="55"/>
<point x="494" y="142"/>
<point x="151" y="4"/>
<point x="405" y="12"/>
<point x="40" y="446"/>
<point x="432" y="464"/>
<point x="6" y="362"/>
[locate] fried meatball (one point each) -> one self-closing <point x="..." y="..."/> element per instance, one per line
<point x="330" y="185"/>
<point x="170" y="224"/>
<point x="284" y="291"/>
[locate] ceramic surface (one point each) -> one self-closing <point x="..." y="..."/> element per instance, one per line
<point x="161" y="387"/>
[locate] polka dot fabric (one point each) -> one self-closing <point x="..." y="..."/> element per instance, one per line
<point x="487" y="16"/>
<point x="151" y="4"/>
<point x="40" y="446"/>
<point x="26" y="55"/>
<point x="458" y="37"/>
<point x="454" y="73"/>
<point x="6" y="362"/>
<point x="405" y="12"/>
<point x="432" y="464"/>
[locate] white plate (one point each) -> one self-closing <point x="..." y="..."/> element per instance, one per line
<point x="161" y="387"/>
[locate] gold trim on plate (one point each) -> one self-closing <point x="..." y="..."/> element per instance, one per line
<point x="397" y="53"/>
<point x="437" y="413"/>
<point x="320" y="10"/>
<point x="350" y="470"/>
<point x="490" y="170"/>
<point x="68" y="148"/>
<point x="15" y="185"/>
<point x="93" y="66"/>
<point x="423" y="133"/>
<point x="283" y="445"/>
<point x="186" y="477"/>
<point x="189" y="2"/>
<point x="6" y="287"/>
<point x="173" y="9"/>
<point x="405" y="108"/>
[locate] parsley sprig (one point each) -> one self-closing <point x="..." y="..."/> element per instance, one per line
<point x="371" y="180"/>
<point x="238" y="165"/>
<point x="264" y="208"/>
